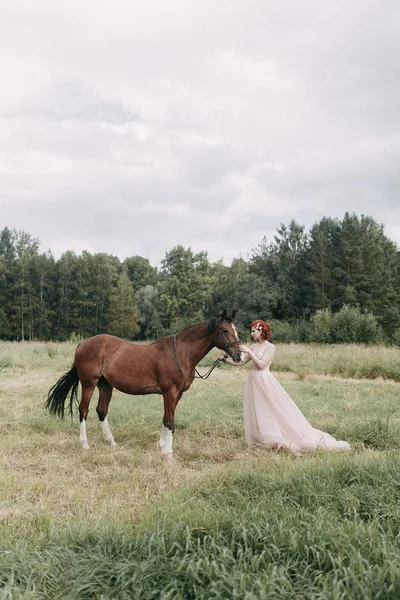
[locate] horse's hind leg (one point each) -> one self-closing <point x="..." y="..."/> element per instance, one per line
<point x="105" y="390"/>
<point x="87" y="393"/>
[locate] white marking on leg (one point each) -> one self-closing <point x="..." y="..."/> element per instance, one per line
<point x="168" y="443"/>
<point x="167" y="436"/>
<point x="107" y="432"/>
<point x="163" y="437"/>
<point x="82" y="435"/>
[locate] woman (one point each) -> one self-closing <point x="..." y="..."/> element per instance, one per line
<point x="271" y="418"/>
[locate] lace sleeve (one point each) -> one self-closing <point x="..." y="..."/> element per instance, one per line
<point x="266" y="357"/>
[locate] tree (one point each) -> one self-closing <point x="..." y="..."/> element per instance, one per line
<point x="8" y="275"/>
<point x="280" y="265"/>
<point x="67" y="300"/>
<point x="5" y="329"/>
<point x="123" y="316"/>
<point x="226" y="285"/>
<point x="319" y="266"/>
<point x="140" y="272"/>
<point x="339" y="262"/>
<point x="184" y="287"/>
<point x="105" y="270"/>
<point x="43" y="295"/>
<point x="367" y="269"/>
<point x="149" y="318"/>
<point x="26" y="251"/>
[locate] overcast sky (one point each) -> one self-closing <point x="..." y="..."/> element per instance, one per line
<point x="131" y="127"/>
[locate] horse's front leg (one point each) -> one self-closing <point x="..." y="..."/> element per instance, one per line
<point x="167" y="431"/>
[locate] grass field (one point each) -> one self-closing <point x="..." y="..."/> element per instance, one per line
<point x="219" y="521"/>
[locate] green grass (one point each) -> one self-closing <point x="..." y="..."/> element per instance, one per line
<point x="222" y="520"/>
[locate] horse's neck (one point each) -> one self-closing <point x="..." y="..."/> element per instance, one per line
<point x="197" y="343"/>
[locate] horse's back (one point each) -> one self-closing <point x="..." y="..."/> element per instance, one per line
<point x="128" y="366"/>
<point x="97" y="345"/>
<point x="104" y="348"/>
<point x="106" y="343"/>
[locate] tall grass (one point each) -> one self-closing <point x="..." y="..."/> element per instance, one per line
<point x="355" y="361"/>
<point x="222" y="520"/>
<point x="327" y="529"/>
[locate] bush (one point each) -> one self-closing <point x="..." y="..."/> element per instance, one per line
<point x="5" y="329"/>
<point x="75" y="338"/>
<point x="282" y="331"/>
<point x="396" y="337"/>
<point x="369" y="331"/>
<point x="347" y="326"/>
<point x="302" y="330"/>
<point x="321" y="326"/>
<point x="350" y="325"/>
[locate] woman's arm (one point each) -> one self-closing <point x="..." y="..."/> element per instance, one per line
<point x="262" y="362"/>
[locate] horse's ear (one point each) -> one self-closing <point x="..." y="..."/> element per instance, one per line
<point x="233" y="315"/>
<point x="223" y="314"/>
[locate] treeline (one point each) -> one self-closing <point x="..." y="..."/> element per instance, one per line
<point x="338" y="282"/>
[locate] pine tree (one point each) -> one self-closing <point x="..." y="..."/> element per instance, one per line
<point x="123" y="315"/>
<point x="280" y="265"/>
<point x="319" y="266"/>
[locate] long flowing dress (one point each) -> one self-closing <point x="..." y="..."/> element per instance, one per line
<point x="271" y="418"/>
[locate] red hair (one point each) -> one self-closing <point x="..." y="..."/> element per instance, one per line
<point x="265" y="329"/>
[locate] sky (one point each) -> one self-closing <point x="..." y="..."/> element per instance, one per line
<point x="131" y="127"/>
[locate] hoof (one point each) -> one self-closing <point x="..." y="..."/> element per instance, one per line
<point x="85" y="446"/>
<point x="166" y="454"/>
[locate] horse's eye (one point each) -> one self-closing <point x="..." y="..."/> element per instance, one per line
<point x="225" y="331"/>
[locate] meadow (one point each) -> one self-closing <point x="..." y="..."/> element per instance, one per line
<point x="220" y="520"/>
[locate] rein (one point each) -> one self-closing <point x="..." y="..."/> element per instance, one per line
<point x="198" y="375"/>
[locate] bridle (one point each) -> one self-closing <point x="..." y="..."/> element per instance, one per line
<point x="198" y="375"/>
<point x="227" y="345"/>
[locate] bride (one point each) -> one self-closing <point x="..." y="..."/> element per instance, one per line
<point x="271" y="418"/>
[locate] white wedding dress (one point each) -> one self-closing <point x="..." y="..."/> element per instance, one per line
<point x="271" y="418"/>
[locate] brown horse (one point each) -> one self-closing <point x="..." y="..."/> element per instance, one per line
<point x="166" y="366"/>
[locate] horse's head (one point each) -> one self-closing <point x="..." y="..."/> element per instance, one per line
<point x="227" y="335"/>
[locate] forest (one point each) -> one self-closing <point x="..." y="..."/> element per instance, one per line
<point x="337" y="282"/>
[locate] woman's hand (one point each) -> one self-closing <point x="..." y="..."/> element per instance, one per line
<point x="244" y="348"/>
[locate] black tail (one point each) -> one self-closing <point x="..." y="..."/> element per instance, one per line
<point x="57" y="395"/>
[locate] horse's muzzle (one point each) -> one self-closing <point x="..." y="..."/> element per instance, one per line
<point x="236" y="355"/>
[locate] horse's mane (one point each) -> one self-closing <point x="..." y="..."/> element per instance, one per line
<point x="211" y="324"/>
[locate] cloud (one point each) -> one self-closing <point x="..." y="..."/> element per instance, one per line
<point x="130" y="128"/>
